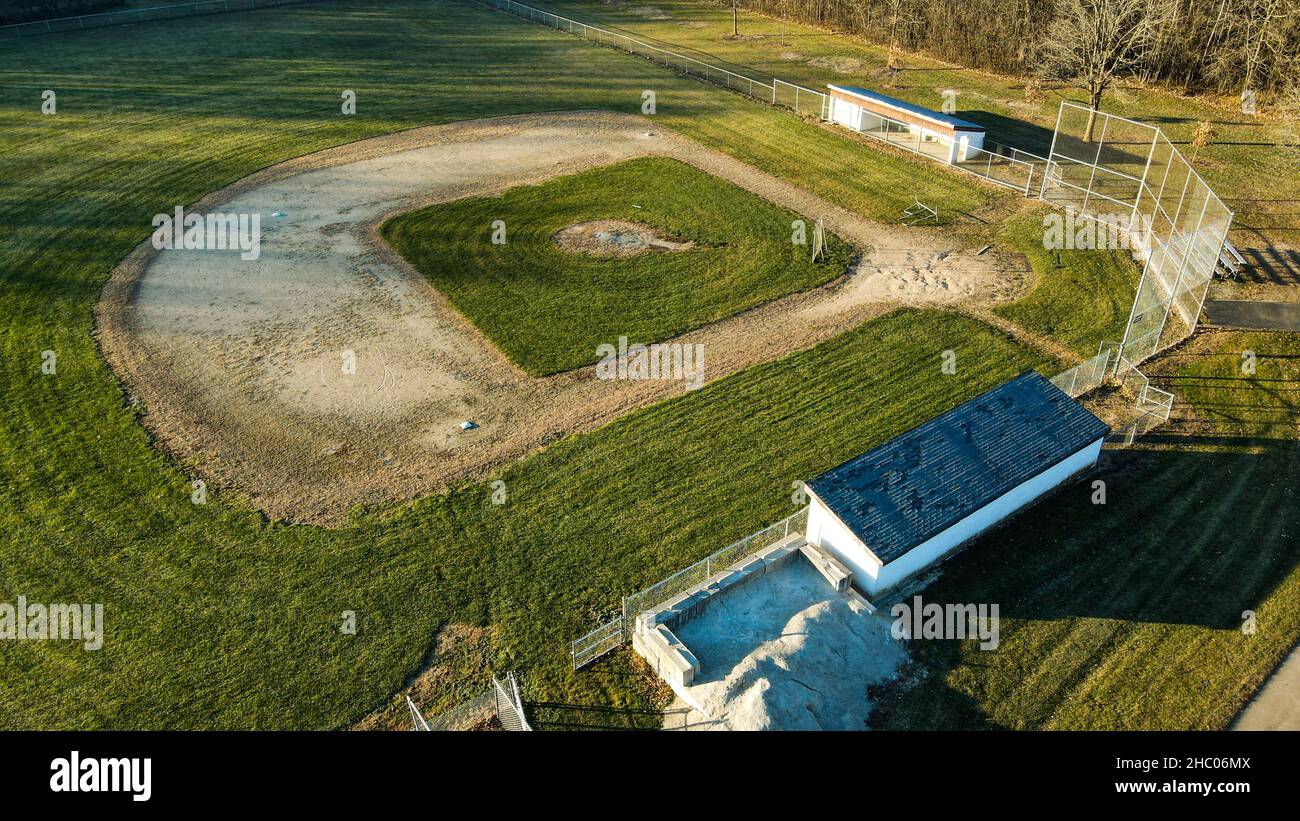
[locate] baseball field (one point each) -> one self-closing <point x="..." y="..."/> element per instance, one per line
<point x="234" y="462"/>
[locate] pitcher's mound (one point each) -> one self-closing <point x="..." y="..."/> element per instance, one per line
<point x="615" y="238"/>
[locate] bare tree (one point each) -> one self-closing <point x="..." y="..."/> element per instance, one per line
<point x="1262" y="30"/>
<point x="1197" y="45"/>
<point x="1092" y="42"/>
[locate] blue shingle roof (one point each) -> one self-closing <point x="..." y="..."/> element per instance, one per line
<point x="918" y="484"/>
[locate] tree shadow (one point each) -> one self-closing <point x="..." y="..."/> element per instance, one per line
<point x="1021" y="134"/>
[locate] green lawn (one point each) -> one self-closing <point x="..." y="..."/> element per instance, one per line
<point x="1080" y="297"/>
<point x="1264" y="404"/>
<point x="219" y="619"/>
<point x="1247" y="164"/>
<point x="1127" y="615"/>
<point x="549" y="308"/>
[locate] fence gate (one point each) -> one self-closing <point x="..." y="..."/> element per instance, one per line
<point x="597" y="643"/>
<point x="510" y="707"/>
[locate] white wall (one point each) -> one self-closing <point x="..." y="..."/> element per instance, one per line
<point x="873" y="578"/>
<point x="826" y="531"/>
<point x="846" y="114"/>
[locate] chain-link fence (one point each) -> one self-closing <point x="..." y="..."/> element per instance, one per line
<point x="1090" y="374"/>
<point x="996" y="163"/>
<point x="1107" y="166"/>
<point x="618" y="630"/>
<point x="501" y="701"/>
<point x="709" y="72"/>
<point x="140" y="15"/>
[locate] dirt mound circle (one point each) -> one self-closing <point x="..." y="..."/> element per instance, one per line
<point x="839" y="65"/>
<point x="615" y="238"/>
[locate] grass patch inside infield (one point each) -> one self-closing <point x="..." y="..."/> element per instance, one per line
<point x="549" y="307"/>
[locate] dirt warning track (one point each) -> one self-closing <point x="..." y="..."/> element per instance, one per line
<point x="242" y="366"/>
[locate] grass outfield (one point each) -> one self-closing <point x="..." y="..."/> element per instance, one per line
<point x="216" y="618"/>
<point x="549" y="308"/>
<point x="1249" y="163"/>
<point x="1133" y="619"/>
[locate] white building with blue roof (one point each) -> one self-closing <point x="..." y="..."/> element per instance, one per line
<point x="942" y="136"/>
<point x="901" y="507"/>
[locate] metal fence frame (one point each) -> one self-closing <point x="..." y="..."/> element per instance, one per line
<point x="1089" y="374"/>
<point x="501" y="699"/>
<point x="56" y="25"/>
<point x="1177" y="223"/>
<point x="510" y="705"/>
<point x="618" y="630"/>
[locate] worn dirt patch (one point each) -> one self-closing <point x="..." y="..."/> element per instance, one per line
<point x="650" y="12"/>
<point x="615" y="239"/>
<point x="243" y="366"/>
<point x="839" y="65"/>
<point x="460" y="651"/>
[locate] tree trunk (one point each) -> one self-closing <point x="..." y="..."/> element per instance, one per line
<point x="735" y="27"/>
<point x="1094" y="100"/>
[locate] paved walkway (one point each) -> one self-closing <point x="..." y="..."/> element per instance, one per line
<point x="1268" y="316"/>
<point x="1277" y="704"/>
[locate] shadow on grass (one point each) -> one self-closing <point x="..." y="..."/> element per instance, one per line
<point x="1021" y="134"/>
<point x="556" y="715"/>
<point x="1185" y="538"/>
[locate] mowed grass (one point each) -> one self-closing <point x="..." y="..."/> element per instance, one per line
<point x="1133" y="618"/>
<point x="1251" y="162"/>
<point x="1080" y="298"/>
<point x="1247" y="384"/>
<point x="549" y="308"/>
<point x="217" y="618"/>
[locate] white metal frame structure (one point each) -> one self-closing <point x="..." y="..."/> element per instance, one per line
<point x="1177" y="223"/>
<point x="510" y="705"/>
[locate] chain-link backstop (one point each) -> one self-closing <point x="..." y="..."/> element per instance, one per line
<point x="1110" y="167"/>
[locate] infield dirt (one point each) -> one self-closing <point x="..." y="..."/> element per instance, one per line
<point x="241" y="366"/>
